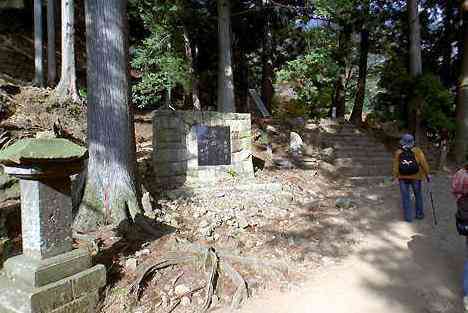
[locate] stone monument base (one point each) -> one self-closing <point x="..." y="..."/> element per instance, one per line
<point x="198" y="148"/>
<point x="63" y="284"/>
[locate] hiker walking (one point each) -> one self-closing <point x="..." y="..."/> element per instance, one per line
<point x="410" y="168"/>
<point x="460" y="191"/>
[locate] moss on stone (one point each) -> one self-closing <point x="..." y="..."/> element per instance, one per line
<point x="40" y="150"/>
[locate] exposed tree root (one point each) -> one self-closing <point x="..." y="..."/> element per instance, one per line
<point x="214" y="264"/>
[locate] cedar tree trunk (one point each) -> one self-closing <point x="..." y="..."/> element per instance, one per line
<point x="267" y="61"/>
<point x="225" y="73"/>
<point x="38" y="44"/>
<point x="356" y="116"/>
<point x="462" y="98"/>
<point x="343" y="59"/>
<point x="66" y="89"/>
<point x="51" y="62"/>
<point x="110" y="194"/>
<point x="416" y="101"/>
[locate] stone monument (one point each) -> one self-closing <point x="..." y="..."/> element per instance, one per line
<point x="49" y="276"/>
<point x="193" y="148"/>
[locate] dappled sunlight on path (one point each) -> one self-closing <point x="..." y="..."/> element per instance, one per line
<point x="398" y="267"/>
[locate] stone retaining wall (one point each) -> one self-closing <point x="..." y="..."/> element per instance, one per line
<point x="175" y="147"/>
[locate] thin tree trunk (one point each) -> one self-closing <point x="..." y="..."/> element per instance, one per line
<point x="111" y="194"/>
<point x="462" y="98"/>
<point x="66" y="88"/>
<point x="38" y="44"/>
<point x="446" y="68"/>
<point x="191" y="55"/>
<point x="416" y="102"/>
<point x="267" y="61"/>
<point x="51" y="62"/>
<point x="414" y="39"/>
<point x="356" y="115"/>
<point x="225" y="73"/>
<point x="343" y="59"/>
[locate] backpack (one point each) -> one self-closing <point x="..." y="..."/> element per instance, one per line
<point x="461" y="217"/>
<point x="408" y="163"/>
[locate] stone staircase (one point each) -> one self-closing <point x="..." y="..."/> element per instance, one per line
<point x="356" y="153"/>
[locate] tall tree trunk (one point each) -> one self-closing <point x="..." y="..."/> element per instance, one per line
<point x="225" y="73"/>
<point x="356" y="115"/>
<point x="51" y="62"/>
<point x="343" y="60"/>
<point x="191" y="55"/>
<point x="110" y="195"/>
<point x="462" y="97"/>
<point x="66" y="88"/>
<point x="446" y="68"/>
<point x="38" y="44"/>
<point x="267" y="60"/>
<point x="415" y="65"/>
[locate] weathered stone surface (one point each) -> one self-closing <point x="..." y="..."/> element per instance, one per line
<point x="46" y="211"/>
<point x="51" y="297"/>
<point x="328" y="155"/>
<point x="75" y="294"/>
<point x="90" y="279"/>
<point x="38" y="273"/>
<point x="295" y="143"/>
<point x="29" y="150"/>
<point x="328" y="169"/>
<point x="85" y="304"/>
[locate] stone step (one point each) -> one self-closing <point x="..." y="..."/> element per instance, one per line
<point x="361" y="171"/>
<point x="356" y="145"/>
<point x="383" y="162"/>
<point x="370" y="181"/>
<point x="362" y="154"/>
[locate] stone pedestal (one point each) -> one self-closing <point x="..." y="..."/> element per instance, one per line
<point x="49" y="277"/>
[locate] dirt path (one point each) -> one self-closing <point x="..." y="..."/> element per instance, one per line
<point x="397" y="267"/>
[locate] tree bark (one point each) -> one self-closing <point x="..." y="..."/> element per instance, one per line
<point x="110" y="194"/>
<point x="38" y="44"/>
<point x="51" y="61"/>
<point x="267" y="60"/>
<point x="191" y="56"/>
<point x="462" y="98"/>
<point x="446" y="68"/>
<point x="356" y="115"/>
<point x="415" y="65"/>
<point x="343" y="59"/>
<point x="66" y="88"/>
<point x="225" y="73"/>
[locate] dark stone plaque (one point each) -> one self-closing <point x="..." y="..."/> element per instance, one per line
<point x="214" y="145"/>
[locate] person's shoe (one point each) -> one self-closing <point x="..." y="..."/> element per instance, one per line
<point x="465" y="304"/>
<point x="420" y="216"/>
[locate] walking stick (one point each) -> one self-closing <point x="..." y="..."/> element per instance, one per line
<point x="434" y="215"/>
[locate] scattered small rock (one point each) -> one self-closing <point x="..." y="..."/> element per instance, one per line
<point x="328" y="155"/>
<point x="185" y="301"/>
<point x="295" y="143"/>
<point x="343" y="203"/>
<point x="131" y="264"/>
<point x="181" y="290"/>
<point x="146" y="202"/>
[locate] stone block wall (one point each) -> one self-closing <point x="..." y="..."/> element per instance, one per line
<point x="175" y="147"/>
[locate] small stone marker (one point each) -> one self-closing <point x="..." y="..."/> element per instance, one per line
<point x="49" y="276"/>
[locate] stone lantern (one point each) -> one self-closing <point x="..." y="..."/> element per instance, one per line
<point x="49" y="276"/>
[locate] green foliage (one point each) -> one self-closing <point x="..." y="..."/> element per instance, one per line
<point x="312" y="77"/>
<point x="439" y="107"/>
<point x="160" y="56"/>
<point x="396" y="87"/>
